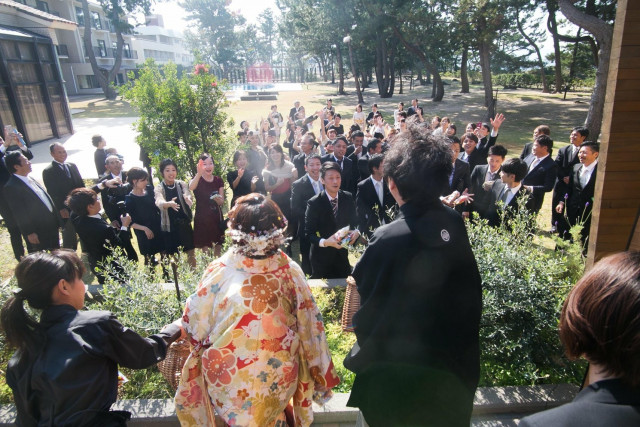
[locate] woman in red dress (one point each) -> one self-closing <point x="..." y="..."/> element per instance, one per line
<point x="209" y="192"/>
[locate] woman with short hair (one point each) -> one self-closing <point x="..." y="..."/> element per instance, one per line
<point x="600" y="321"/>
<point x="173" y="198"/>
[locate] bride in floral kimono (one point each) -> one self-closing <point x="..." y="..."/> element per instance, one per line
<point x="259" y="353"/>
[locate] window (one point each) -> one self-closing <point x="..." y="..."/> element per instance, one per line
<point x="42" y="5"/>
<point x="95" y="21"/>
<point x="126" y="51"/>
<point x="79" y="16"/>
<point x="102" y="47"/>
<point x="87" y="82"/>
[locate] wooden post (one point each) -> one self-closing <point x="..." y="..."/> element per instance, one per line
<point x="617" y="192"/>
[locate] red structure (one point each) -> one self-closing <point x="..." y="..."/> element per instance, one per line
<point x="260" y="72"/>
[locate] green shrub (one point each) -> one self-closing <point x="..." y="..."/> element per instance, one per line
<point x="524" y="286"/>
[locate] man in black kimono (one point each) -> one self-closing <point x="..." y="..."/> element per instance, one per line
<point x="417" y="354"/>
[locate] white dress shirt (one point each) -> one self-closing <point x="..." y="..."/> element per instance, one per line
<point x="42" y="195"/>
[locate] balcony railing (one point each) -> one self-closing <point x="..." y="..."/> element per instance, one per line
<point x="126" y="54"/>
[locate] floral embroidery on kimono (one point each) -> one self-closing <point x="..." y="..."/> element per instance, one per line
<point x="257" y="342"/>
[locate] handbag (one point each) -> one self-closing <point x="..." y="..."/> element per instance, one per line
<point x="351" y="305"/>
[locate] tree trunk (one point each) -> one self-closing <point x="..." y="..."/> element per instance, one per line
<point x="603" y="33"/>
<point x="431" y="68"/>
<point x="400" y="92"/>
<point x="545" y="86"/>
<point x="553" y="29"/>
<point x="464" y="76"/>
<point x="104" y="78"/>
<point x="340" y="72"/>
<point x="485" y="65"/>
<point x="385" y="75"/>
<point x="355" y="75"/>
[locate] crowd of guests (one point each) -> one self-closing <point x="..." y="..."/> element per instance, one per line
<point x="259" y="353"/>
<point x="483" y="183"/>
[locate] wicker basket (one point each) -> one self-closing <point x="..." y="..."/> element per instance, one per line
<point x="351" y="305"/>
<point x="171" y="366"/>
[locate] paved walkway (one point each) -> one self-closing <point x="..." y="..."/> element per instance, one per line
<point x="118" y="132"/>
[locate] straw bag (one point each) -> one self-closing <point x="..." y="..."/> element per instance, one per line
<point x="171" y="366"/>
<point x="351" y="305"/>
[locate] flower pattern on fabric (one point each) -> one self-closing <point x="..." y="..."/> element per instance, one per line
<point x="257" y="343"/>
<point x="259" y="292"/>
<point x="219" y="365"/>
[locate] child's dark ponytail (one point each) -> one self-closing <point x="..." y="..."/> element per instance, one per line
<point x="37" y="274"/>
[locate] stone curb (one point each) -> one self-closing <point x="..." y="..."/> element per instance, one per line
<point x="521" y="400"/>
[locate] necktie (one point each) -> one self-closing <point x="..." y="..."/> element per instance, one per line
<point x="378" y="191"/>
<point x="41" y="194"/>
<point x="334" y="207"/>
<point x="534" y="164"/>
<point x="584" y="178"/>
<point x="315" y="186"/>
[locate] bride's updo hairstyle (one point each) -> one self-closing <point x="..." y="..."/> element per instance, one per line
<point x="256" y="226"/>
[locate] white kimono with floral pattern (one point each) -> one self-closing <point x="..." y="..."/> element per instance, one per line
<point x="257" y="342"/>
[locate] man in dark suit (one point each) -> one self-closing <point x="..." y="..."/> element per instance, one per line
<point x="113" y="189"/>
<point x="469" y="153"/>
<point x="327" y="213"/>
<point x="488" y="134"/>
<point x="294" y="110"/>
<point x="374" y="146"/>
<point x="372" y="113"/>
<point x="11" y="142"/>
<point x="307" y="143"/>
<point x="482" y="177"/>
<point x="566" y="159"/>
<point x="414" y="109"/>
<point x="460" y="177"/>
<point x="302" y="190"/>
<point x="579" y="201"/>
<point x="539" y="130"/>
<point x="508" y="190"/>
<point x="98" y="238"/>
<point x="355" y="150"/>
<point x="417" y="328"/>
<point x="373" y="199"/>
<point x="346" y="166"/>
<point x="32" y="208"/>
<point x="59" y="179"/>
<point x="542" y="169"/>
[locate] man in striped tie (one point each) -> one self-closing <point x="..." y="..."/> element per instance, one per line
<point x="328" y="212"/>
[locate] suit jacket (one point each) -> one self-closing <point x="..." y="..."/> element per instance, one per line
<point x="321" y="224"/>
<point x="495" y="195"/>
<point x="99" y="158"/>
<point x="541" y="178"/>
<point x="566" y="160"/>
<point x="31" y="214"/>
<point x="418" y="323"/>
<point x="371" y="213"/>
<point x="363" y="168"/>
<point x="301" y="192"/>
<point x="475" y="158"/>
<point x="526" y="151"/>
<point x="603" y="403"/>
<point x="461" y="178"/>
<point x="58" y="184"/>
<point x="580" y="199"/>
<point x="299" y="162"/>
<point x="481" y="198"/>
<point x="111" y="196"/>
<point x="346" y="183"/>
<point x="485" y="143"/>
<point x="98" y="239"/>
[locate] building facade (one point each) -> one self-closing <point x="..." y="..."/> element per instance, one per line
<point x="32" y="92"/>
<point x="164" y="45"/>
